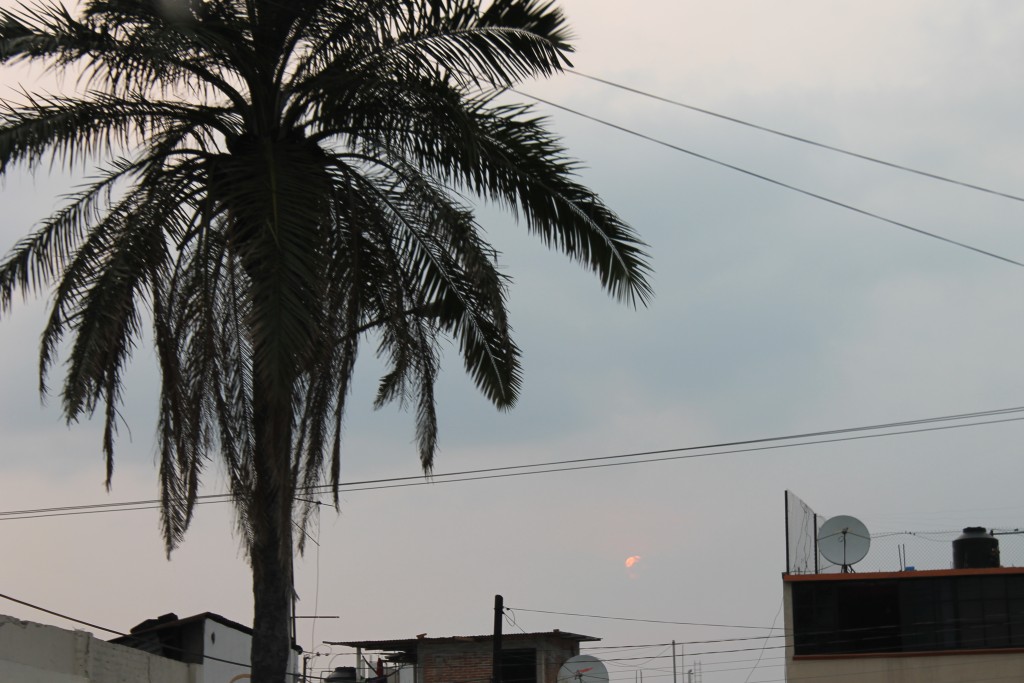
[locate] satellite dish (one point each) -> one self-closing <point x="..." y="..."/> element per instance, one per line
<point x="843" y="540"/>
<point x="583" y="669"/>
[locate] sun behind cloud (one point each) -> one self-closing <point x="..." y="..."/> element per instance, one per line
<point x="632" y="560"/>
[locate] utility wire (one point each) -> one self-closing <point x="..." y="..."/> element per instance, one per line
<point x="643" y="659"/>
<point x="645" y="621"/>
<point x="838" y="636"/>
<point x="725" y="444"/>
<point x="761" y="653"/>
<point x="776" y="442"/>
<point x="62" y="616"/>
<point x="687" y="456"/>
<point x="767" y="179"/>
<point x="511" y="470"/>
<point x="122" y="633"/>
<point x="420" y="481"/>
<point x="797" y="138"/>
<point x="639" y="661"/>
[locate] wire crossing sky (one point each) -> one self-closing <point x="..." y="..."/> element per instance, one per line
<point x="636" y="458"/>
<point x="773" y="181"/>
<point x="798" y="138"/>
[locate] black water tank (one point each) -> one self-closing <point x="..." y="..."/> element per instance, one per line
<point x="342" y="674"/>
<point x="975" y="549"/>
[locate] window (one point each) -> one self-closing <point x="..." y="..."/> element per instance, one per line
<point x="908" y="614"/>
<point x="519" y="666"/>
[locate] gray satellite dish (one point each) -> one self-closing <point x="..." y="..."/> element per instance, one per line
<point x="843" y="540"/>
<point x="583" y="669"/>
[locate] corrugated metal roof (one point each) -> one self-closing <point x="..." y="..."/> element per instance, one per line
<point x="412" y="644"/>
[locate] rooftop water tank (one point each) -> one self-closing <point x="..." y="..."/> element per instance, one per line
<point x="976" y="548"/>
<point x="342" y="674"/>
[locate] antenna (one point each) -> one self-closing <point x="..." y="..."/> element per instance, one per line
<point x="583" y="669"/>
<point x="844" y="540"/>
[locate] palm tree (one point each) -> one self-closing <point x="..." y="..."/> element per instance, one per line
<point x="273" y="182"/>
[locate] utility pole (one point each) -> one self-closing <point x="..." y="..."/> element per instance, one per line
<point x="499" y="613"/>
<point x="675" y="677"/>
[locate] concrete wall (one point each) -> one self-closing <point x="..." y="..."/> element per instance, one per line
<point x="225" y="643"/>
<point x="36" y="653"/>
<point x="922" y="669"/>
<point x="221" y="642"/>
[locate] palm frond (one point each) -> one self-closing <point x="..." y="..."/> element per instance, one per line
<point x="43" y="32"/>
<point x="281" y="180"/>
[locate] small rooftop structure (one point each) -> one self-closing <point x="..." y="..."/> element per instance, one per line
<point x="221" y="646"/>
<point x="526" y="657"/>
<point x="176" y="638"/>
<point x="406" y="649"/>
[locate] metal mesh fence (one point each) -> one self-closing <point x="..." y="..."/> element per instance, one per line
<point x="890" y="551"/>
<point x="801" y="533"/>
<point x="897" y="551"/>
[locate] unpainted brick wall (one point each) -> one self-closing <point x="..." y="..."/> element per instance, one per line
<point x="471" y="662"/>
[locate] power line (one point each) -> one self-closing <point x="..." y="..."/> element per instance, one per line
<point x="642" y="457"/>
<point x="728" y="444"/>
<point x="765" y="645"/>
<point x="645" y="621"/>
<point x="617" y="659"/>
<point x="633" y="660"/>
<point x="797" y="138"/>
<point x="326" y="487"/>
<point x="773" y="181"/>
<point x="511" y="469"/>
<point x="62" y="616"/>
<point x="419" y="481"/>
<point x="122" y="633"/>
<point x="838" y="636"/>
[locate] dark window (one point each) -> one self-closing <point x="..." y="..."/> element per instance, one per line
<point x="519" y="666"/>
<point x="908" y="614"/>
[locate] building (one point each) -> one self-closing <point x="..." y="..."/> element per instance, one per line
<point x="205" y="648"/>
<point x="37" y="653"/>
<point x="934" y="626"/>
<point x="957" y="624"/>
<point x="220" y="646"/>
<point x="526" y="657"/>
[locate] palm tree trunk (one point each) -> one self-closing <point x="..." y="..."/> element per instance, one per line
<point x="272" y="600"/>
<point x="271" y="518"/>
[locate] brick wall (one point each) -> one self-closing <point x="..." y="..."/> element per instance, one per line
<point x="471" y="661"/>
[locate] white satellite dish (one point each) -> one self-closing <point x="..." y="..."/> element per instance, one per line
<point x="843" y="540"/>
<point x="583" y="669"/>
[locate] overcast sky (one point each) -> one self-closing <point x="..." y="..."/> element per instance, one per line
<point x="775" y="314"/>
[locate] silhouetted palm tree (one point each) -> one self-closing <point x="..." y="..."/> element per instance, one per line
<point x="275" y="179"/>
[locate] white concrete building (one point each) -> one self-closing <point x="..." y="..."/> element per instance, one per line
<point x="205" y="648"/>
<point x="36" y="653"/>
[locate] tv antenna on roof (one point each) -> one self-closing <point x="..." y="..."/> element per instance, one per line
<point x="844" y="540"/>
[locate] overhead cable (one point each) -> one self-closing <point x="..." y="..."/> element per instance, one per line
<point x="797" y="138"/>
<point x="773" y="181"/>
<point x="122" y="633"/>
<point x="645" y="621"/>
<point x="641" y="457"/>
